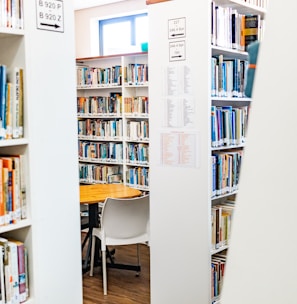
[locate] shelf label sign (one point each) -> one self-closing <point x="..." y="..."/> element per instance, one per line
<point x="50" y="15"/>
<point x="177" y="50"/>
<point x="177" y="28"/>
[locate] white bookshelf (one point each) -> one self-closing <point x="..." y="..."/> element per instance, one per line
<point x="130" y="121"/>
<point x="51" y="231"/>
<point x="180" y="191"/>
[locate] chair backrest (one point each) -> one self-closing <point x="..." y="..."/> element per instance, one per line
<point x="125" y="221"/>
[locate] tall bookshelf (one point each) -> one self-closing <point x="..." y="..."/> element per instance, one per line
<point x="182" y="196"/>
<point x="48" y="145"/>
<point x="113" y="119"/>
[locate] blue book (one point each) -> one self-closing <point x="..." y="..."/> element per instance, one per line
<point x="253" y="50"/>
<point x="214" y="127"/>
<point x="224" y="79"/>
<point x="233" y="122"/>
<point x="3" y="79"/>
<point x="214" y="174"/>
<point x="213" y="76"/>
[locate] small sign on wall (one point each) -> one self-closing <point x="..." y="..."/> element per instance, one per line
<point x="177" y="50"/>
<point x="177" y="28"/>
<point x="50" y="15"/>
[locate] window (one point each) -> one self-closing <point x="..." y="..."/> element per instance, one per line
<point x="123" y="35"/>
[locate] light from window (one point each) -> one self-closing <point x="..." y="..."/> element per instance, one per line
<point x="123" y="34"/>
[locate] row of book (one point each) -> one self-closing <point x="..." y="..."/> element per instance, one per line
<point x="137" y="153"/>
<point x="12" y="14"/>
<point x="259" y="3"/>
<point x="93" y="105"/>
<point x="100" y="128"/>
<point x="218" y="267"/>
<point x="11" y="102"/>
<point x="228" y="125"/>
<point x="100" y="152"/>
<point x="225" y="172"/>
<point x="14" y="283"/>
<point x="221" y="221"/>
<point x="138" y="177"/>
<point x="12" y="189"/>
<point x="104" y="174"/>
<point x="136" y="104"/>
<point x="137" y="130"/>
<point x="98" y="76"/>
<point x="233" y="30"/>
<point x="136" y="74"/>
<point x="228" y="77"/>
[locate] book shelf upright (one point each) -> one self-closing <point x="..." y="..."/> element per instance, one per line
<point x="182" y="196"/>
<point x="113" y="116"/>
<point x="52" y="199"/>
<point x="12" y="50"/>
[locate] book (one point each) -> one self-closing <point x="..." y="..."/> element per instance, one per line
<point x="21" y="103"/>
<point x="2" y="203"/>
<point x="251" y="29"/>
<point x="16" y="189"/>
<point x="15" y="78"/>
<point x="2" y="284"/>
<point x="8" y="132"/>
<point x="5" y="194"/>
<point x="8" y="188"/>
<point x="6" y="270"/>
<point x="252" y="49"/>
<point x="14" y="271"/>
<point x="26" y="271"/>
<point x="21" y="263"/>
<point x="3" y="80"/>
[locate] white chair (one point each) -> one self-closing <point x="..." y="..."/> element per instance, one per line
<point x="123" y="222"/>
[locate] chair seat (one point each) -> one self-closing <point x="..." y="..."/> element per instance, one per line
<point x="113" y="240"/>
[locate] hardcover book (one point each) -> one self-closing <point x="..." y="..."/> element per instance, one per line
<point x="251" y="29"/>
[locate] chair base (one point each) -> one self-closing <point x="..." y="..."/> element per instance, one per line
<point x="136" y="268"/>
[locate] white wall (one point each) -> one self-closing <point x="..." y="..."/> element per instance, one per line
<point x="86" y="24"/>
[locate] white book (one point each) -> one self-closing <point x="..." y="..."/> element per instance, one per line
<point x="14" y="270"/>
<point x="6" y="270"/>
<point x="2" y="284"/>
<point x="14" y="78"/>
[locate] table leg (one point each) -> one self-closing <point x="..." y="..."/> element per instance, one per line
<point x="93" y="222"/>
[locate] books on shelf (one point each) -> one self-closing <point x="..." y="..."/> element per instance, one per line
<point x="228" y="125"/>
<point x="20" y="272"/>
<point x="96" y="173"/>
<point x="12" y="189"/>
<point x="12" y="14"/>
<point x="113" y="119"/>
<point x="11" y="104"/>
<point x="225" y="171"/>
<point x="228" y="77"/>
<point x="234" y="30"/>
<point x="105" y="105"/>
<point x="218" y="265"/>
<point x="13" y="271"/>
<point x="99" y="76"/>
<point x="136" y="105"/>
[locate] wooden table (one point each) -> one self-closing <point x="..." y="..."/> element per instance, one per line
<point x="94" y="194"/>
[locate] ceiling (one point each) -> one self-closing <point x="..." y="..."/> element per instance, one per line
<point x="81" y="4"/>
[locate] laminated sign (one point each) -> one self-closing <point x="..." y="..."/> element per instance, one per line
<point x="50" y="15"/>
